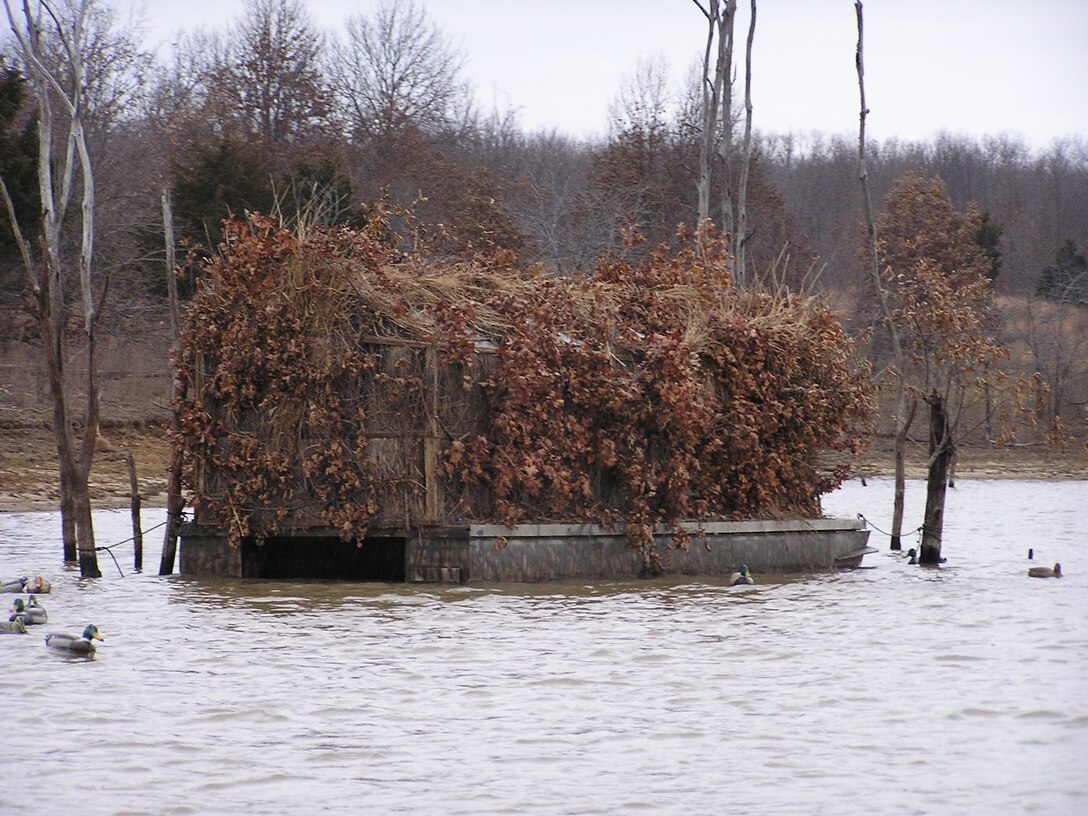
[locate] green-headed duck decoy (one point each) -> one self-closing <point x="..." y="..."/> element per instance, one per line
<point x="15" y="626"/>
<point x="76" y="645"/>
<point x="31" y="612"/>
<point x="1046" y="572"/>
<point x="742" y="577"/>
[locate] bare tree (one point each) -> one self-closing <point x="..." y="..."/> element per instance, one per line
<point x="115" y="69"/>
<point x="1052" y="337"/>
<point x="191" y="97"/>
<point x="717" y="127"/>
<point x="904" y="408"/>
<point x="281" y="91"/>
<point x="396" y="69"/>
<point x="549" y="182"/>
<point x="719" y="20"/>
<point x="746" y="158"/>
<point x="642" y="100"/>
<point x="639" y="175"/>
<point x="724" y="145"/>
<point x="58" y="176"/>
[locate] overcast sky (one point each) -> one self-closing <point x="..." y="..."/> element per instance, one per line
<point x="973" y="67"/>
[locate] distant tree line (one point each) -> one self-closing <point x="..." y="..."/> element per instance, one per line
<point x="274" y="115"/>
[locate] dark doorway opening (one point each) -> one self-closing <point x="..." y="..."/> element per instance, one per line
<point x="324" y="558"/>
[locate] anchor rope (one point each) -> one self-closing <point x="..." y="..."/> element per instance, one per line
<point x="114" y="557"/>
<point x="885" y="532"/>
<point x="109" y="547"/>
<point x="130" y="538"/>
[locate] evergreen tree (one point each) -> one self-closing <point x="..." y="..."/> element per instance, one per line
<point x="222" y="178"/>
<point x="18" y="160"/>
<point x="1065" y="280"/>
<point x="989" y="238"/>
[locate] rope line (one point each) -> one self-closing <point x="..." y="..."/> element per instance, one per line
<point x="885" y="532"/>
<point x="109" y="548"/>
<point x="130" y="538"/>
<point x="114" y="557"/>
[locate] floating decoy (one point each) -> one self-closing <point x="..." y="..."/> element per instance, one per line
<point x="37" y="584"/>
<point x="1031" y="553"/>
<point x="742" y="577"/>
<point x="1046" y="572"/>
<point x="15" y="626"/>
<point x="913" y="553"/>
<point x="77" y="645"/>
<point x="31" y="612"/>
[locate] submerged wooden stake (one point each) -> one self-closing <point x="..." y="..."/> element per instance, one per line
<point x="137" y="533"/>
<point x="174" y="502"/>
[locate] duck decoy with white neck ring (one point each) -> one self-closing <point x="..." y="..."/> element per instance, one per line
<point x="742" y="577"/>
<point x="76" y="645"/>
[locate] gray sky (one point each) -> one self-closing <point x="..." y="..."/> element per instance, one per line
<point x="974" y="67"/>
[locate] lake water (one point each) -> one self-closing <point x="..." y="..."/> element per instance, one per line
<point x="887" y="689"/>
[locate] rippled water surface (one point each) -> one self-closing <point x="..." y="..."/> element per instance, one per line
<point x="888" y="689"/>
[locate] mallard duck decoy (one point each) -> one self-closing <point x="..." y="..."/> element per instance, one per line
<point x="15" y="626"/>
<point x="37" y="584"/>
<point x="77" y="645"/>
<point x="742" y="577"/>
<point x="31" y="612"/>
<point x="1046" y="572"/>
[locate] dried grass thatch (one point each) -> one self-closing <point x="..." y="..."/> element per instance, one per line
<point x="643" y="394"/>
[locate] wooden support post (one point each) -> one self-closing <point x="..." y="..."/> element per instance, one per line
<point x="432" y="500"/>
<point x="175" y="504"/>
<point x="137" y="530"/>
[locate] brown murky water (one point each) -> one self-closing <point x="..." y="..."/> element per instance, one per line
<point x="889" y="689"/>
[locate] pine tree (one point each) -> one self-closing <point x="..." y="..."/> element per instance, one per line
<point x="18" y="157"/>
<point x="1065" y="280"/>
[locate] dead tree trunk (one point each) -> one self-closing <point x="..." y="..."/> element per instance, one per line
<point x="137" y="525"/>
<point x="901" y="402"/>
<point x="900" y="454"/>
<point x="81" y="488"/>
<point x="175" y="503"/>
<point x="942" y="449"/>
<point x="740" y="272"/>
<point x="57" y="175"/>
<point x="711" y="88"/>
<point x="725" y="143"/>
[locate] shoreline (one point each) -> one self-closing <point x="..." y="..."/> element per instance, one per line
<point x="28" y="470"/>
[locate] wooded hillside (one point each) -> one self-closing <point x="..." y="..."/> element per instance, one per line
<point x="317" y="128"/>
